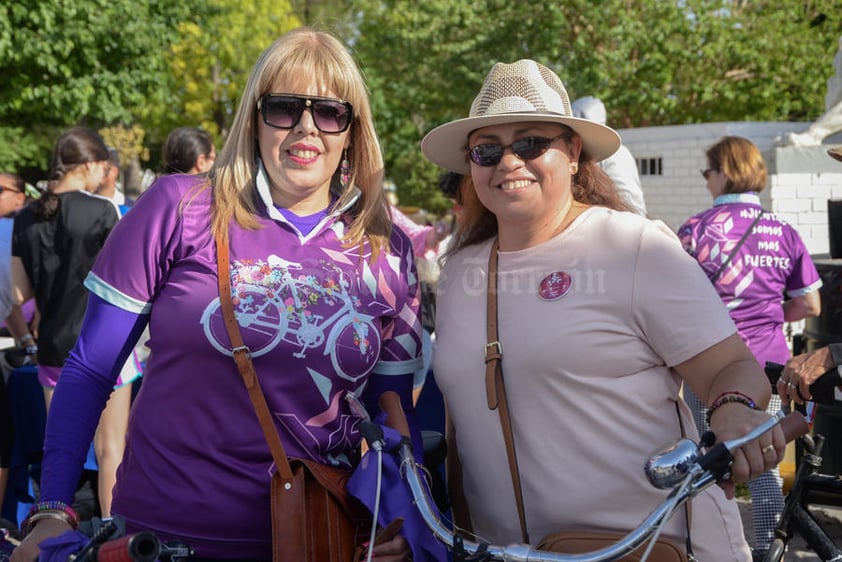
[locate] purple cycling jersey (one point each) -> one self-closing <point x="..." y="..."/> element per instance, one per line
<point x="321" y="320"/>
<point x="772" y="263"/>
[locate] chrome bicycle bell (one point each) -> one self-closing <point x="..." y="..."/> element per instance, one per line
<point x="668" y="467"/>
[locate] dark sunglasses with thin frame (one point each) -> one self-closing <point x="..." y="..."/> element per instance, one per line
<point x="284" y="111"/>
<point x="707" y="172"/>
<point x="527" y="148"/>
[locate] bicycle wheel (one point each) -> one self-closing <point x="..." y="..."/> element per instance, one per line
<point x="262" y="322"/>
<point x="776" y="551"/>
<point x="353" y="345"/>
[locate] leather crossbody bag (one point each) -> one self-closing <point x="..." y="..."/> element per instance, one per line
<point x="571" y="542"/>
<point x="314" y="518"/>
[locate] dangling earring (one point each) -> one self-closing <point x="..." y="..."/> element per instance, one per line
<point x="344" y="169"/>
<point x="574" y="168"/>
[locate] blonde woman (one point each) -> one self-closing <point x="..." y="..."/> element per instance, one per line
<point x="326" y="299"/>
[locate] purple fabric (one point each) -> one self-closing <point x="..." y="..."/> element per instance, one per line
<point x="58" y="549"/>
<point x="304" y="224"/>
<point x="320" y="318"/>
<point x="86" y="382"/>
<point x="395" y="499"/>
<point x="773" y="261"/>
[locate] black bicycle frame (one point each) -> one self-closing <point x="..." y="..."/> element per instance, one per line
<point x="796" y="517"/>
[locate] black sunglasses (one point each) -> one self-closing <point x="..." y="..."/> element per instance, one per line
<point x="284" y="111"/>
<point x="527" y="148"/>
<point x="707" y="172"/>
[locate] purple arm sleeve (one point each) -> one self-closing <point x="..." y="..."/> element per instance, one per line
<point x="107" y="338"/>
<point x="402" y="385"/>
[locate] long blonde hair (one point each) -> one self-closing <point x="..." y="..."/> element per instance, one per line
<point x="300" y="56"/>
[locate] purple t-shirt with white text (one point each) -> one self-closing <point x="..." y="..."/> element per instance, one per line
<point x="771" y="263"/>
<point x="320" y="319"/>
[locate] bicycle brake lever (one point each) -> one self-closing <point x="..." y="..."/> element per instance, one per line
<point x="372" y="433"/>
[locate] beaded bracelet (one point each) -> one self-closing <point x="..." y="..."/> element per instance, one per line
<point x="732" y="397"/>
<point x="49" y="510"/>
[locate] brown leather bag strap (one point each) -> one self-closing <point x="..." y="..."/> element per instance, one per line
<point x="242" y="357"/>
<point x="496" y="388"/>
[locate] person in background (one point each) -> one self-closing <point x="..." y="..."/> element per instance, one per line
<point x="188" y="150"/>
<point x="621" y="166"/>
<point x="428" y="397"/>
<point x="55" y="242"/>
<point x="425" y="240"/>
<point x="296" y="195"/>
<point x="110" y="187"/>
<point x="803" y="370"/>
<point x="591" y="308"/>
<point x="12" y="199"/>
<point x="425" y="237"/>
<point x="764" y="275"/>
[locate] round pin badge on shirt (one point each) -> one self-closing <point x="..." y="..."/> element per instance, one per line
<point x="555" y="285"/>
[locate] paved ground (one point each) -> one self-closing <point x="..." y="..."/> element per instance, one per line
<point x="830" y="518"/>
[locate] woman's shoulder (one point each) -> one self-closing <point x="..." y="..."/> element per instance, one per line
<point x="176" y="192"/>
<point x="175" y="186"/>
<point x="84" y="198"/>
<point x="468" y="256"/>
<point x="83" y="206"/>
<point x="622" y="224"/>
<point x="700" y="217"/>
<point x="399" y="240"/>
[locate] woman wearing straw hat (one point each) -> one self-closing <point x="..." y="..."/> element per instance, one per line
<point x="592" y="306"/>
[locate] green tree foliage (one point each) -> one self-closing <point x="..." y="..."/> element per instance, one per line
<point x="92" y="62"/>
<point x="211" y="60"/>
<point x="158" y="64"/>
<point x="652" y="62"/>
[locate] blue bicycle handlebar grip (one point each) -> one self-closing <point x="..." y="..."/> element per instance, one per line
<point x="390" y="404"/>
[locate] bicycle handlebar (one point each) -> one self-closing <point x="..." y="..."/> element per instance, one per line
<point x="704" y="472"/>
<point x="822" y="389"/>
<point x="139" y="547"/>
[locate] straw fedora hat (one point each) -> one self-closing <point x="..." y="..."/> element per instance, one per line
<point x="519" y="92"/>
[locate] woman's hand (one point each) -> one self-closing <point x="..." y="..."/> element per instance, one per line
<point x="28" y="550"/>
<point x="801" y="371"/>
<point x="734" y="420"/>
<point x="395" y="550"/>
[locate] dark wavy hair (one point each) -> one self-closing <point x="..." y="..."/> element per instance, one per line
<point x="75" y="147"/>
<point x="183" y="147"/>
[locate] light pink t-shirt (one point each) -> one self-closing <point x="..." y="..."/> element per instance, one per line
<point x="587" y="380"/>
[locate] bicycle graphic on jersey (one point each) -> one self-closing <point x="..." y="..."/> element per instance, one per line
<point x="277" y="300"/>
